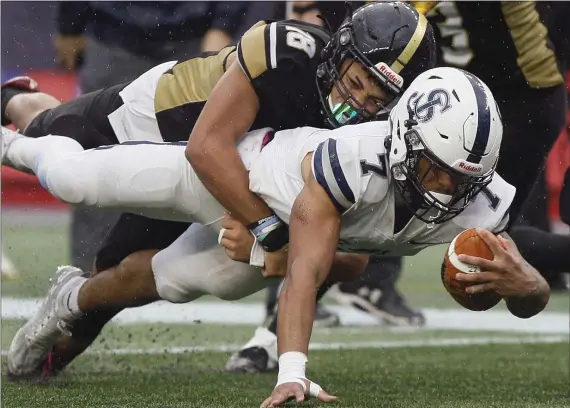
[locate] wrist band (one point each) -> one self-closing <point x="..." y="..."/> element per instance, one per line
<point x="271" y="232"/>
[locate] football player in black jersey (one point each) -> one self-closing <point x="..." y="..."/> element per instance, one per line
<point x="281" y="74"/>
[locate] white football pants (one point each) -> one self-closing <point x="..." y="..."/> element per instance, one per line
<point x="153" y="180"/>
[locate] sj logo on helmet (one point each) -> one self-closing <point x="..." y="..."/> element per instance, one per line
<point x="424" y="107"/>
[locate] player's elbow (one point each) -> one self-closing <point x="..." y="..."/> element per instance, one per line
<point x="197" y="152"/>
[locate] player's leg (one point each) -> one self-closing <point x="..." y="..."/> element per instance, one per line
<point x="22" y="101"/>
<point x="27" y="154"/>
<point x="149" y="179"/>
<point x="194" y="265"/>
<point x="125" y="251"/>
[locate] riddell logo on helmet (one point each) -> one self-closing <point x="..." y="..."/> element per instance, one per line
<point x="471" y="168"/>
<point x="390" y="74"/>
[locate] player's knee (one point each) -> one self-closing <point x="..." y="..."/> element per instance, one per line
<point x="169" y="283"/>
<point x="62" y="173"/>
<point x="235" y="282"/>
<point x="56" y="178"/>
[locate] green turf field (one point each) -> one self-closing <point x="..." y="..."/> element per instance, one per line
<point x="461" y="360"/>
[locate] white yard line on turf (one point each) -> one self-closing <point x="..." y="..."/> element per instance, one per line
<point x="253" y="314"/>
<point x="445" y="342"/>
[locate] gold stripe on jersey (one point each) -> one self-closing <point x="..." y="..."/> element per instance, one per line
<point x="253" y="51"/>
<point x="190" y="81"/>
<point x="536" y="61"/>
<point x="412" y="46"/>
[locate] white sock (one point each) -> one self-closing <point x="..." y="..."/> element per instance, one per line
<point x="70" y="295"/>
<point x="27" y="153"/>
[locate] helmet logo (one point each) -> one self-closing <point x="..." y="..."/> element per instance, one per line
<point x="424" y="109"/>
<point x="466" y="167"/>
<point x="390" y="74"/>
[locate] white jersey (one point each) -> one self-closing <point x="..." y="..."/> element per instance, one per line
<point x="156" y="180"/>
<point x="350" y="164"/>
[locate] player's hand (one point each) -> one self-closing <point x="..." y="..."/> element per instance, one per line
<point x="275" y="264"/>
<point x="236" y="239"/>
<point x="69" y="49"/>
<point x="508" y="274"/>
<point x="282" y="393"/>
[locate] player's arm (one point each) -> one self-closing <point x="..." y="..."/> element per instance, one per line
<point x="534" y="292"/>
<point x="314" y="230"/>
<point x="331" y="185"/>
<point x="212" y="151"/>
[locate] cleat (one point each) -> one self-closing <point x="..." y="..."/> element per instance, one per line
<point x="31" y="346"/>
<point x="387" y="305"/>
<point x="259" y="355"/>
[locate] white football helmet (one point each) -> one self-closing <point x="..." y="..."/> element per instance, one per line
<point x="450" y="118"/>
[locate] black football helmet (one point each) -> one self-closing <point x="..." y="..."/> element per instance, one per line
<point x="392" y="41"/>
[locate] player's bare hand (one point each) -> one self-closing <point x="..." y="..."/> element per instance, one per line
<point x="275" y="263"/>
<point x="293" y="390"/>
<point x="236" y="239"/>
<point x="508" y="274"/>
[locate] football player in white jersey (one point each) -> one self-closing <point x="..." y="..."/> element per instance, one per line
<point x="391" y="187"/>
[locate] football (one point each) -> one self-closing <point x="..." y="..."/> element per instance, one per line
<point x="469" y="243"/>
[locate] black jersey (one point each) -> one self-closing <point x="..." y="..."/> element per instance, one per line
<point x="279" y="58"/>
<point x="506" y="44"/>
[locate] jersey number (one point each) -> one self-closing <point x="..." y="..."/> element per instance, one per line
<point x="301" y="40"/>
<point x="458" y="54"/>
<point x="378" y="169"/>
<point x="494" y="200"/>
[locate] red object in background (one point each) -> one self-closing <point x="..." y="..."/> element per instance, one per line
<point x="557" y="164"/>
<point x="61" y="85"/>
<point x="20" y="189"/>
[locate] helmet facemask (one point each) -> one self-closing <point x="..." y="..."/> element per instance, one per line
<point x="332" y="74"/>
<point x="411" y="173"/>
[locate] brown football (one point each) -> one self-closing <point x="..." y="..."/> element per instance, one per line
<point x="469" y="243"/>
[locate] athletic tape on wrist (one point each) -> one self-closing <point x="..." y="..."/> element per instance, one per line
<point x="257" y="255"/>
<point x="292" y="368"/>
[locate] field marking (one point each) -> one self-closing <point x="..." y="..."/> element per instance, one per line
<point x="393" y="344"/>
<point x="232" y="313"/>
